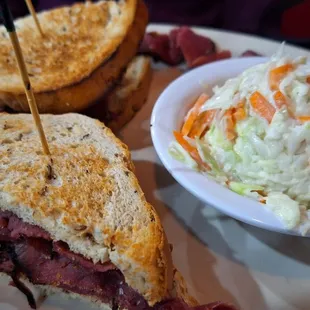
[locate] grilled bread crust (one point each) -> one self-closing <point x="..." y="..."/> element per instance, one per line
<point x="85" y="49"/>
<point x="123" y="101"/>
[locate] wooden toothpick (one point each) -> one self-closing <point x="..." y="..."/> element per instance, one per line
<point x="34" y="15"/>
<point x="9" y="25"/>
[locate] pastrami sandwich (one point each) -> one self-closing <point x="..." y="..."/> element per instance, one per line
<point x="85" y="49"/>
<point x="77" y="223"/>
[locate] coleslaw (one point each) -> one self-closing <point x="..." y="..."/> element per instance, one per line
<point x="253" y="136"/>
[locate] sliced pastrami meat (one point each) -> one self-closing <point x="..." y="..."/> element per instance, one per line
<point x="194" y="45"/>
<point x="175" y="52"/>
<point x="63" y="249"/>
<point x="203" y="60"/>
<point x="250" y="53"/>
<point x="27" y="250"/>
<point x="14" y="228"/>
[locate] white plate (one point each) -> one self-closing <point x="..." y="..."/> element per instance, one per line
<point x="11" y="298"/>
<point x="168" y="115"/>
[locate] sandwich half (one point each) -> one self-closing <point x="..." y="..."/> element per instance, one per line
<point x="84" y="51"/>
<point x="120" y="105"/>
<point x="77" y="222"/>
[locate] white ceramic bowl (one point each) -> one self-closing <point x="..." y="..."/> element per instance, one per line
<point x="168" y="115"/>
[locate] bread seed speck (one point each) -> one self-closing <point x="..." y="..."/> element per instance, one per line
<point x="50" y="173"/>
<point x="43" y="191"/>
<point x="85" y="136"/>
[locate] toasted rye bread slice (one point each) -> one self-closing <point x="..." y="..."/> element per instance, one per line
<point x="123" y="101"/>
<point x="84" y="51"/>
<point x="179" y="291"/>
<point x="88" y="196"/>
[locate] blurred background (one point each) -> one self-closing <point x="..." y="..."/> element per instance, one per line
<point x="287" y="20"/>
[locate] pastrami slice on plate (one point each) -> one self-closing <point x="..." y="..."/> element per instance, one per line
<point x="194" y="45"/>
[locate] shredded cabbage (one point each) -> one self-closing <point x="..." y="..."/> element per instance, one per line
<point x="285" y="208"/>
<point x="177" y="152"/>
<point x="249" y="190"/>
<point x="204" y="153"/>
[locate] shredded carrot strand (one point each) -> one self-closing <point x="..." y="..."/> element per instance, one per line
<point x="230" y="125"/>
<point x="193" y="114"/>
<point x="279" y="99"/>
<point x="304" y="119"/>
<point x="239" y="113"/>
<point x="241" y="104"/>
<point x="308" y="79"/>
<point x="190" y="149"/>
<point x="276" y="75"/>
<point x="203" y="121"/>
<point x="261" y="106"/>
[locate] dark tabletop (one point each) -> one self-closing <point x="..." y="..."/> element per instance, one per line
<point x="283" y="20"/>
